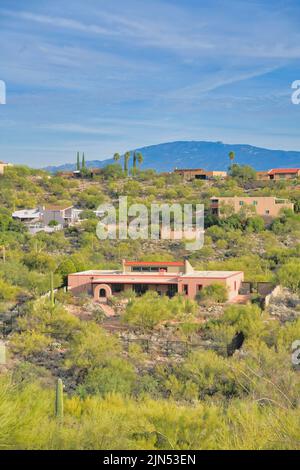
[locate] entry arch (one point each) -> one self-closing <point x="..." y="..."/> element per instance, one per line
<point x="100" y="289"/>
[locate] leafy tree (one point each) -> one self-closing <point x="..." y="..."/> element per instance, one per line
<point x="231" y="157"/>
<point x="242" y="173"/>
<point x="140" y="158"/>
<point x="114" y="171"/>
<point x="116" y="157"/>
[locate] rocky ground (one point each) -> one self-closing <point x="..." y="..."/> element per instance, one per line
<point x="285" y="306"/>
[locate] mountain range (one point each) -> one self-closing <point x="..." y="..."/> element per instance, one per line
<point x="201" y="154"/>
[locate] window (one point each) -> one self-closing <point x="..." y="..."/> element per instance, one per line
<point x="145" y="269"/>
<point x="185" y="289"/>
<point x="199" y="287"/>
<point x="117" y="288"/>
<point x="267" y="211"/>
<point x="255" y="203"/>
<point x="140" y="289"/>
<point x="241" y="203"/>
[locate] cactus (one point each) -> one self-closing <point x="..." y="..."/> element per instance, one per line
<point x="51" y="290"/>
<point x="2" y="353"/>
<point x="59" y="400"/>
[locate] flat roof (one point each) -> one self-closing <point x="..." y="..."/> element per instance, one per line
<point x="283" y="171"/>
<point x="190" y="169"/>
<point x="26" y="213"/>
<point x="212" y="274"/>
<point x="96" y="272"/>
<point x="154" y="277"/>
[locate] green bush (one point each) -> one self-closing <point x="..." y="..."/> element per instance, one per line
<point x="214" y="293"/>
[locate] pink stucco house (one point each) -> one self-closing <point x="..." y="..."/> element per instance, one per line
<point x="166" y="278"/>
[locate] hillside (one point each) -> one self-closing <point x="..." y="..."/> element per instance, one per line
<point x="209" y="155"/>
<point x="160" y="370"/>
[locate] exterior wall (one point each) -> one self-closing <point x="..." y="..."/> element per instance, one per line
<point x="190" y="174"/>
<point x="62" y="216"/>
<point x="68" y="213"/>
<point x="49" y="215"/>
<point x="285" y="176"/>
<point x="232" y="283"/>
<point x="262" y="176"/>
<point x="263" y="205"/>
<point x="79" y="284"/>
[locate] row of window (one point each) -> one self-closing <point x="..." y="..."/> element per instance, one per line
<point x="148" y="269"/>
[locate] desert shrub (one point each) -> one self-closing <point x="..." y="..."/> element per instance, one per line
<point x="289" y="275"/>
<point x="114" y="376"/>
<point x="213" y="293"/>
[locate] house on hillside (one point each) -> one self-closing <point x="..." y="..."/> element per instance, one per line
<point x="284" y="173"/>
<point x="38" y="219"/>
<point x="263" y="206"/>
<point x="164" y="277"/>
<point x="199" y="173"/>
<point x="278" y="174"/>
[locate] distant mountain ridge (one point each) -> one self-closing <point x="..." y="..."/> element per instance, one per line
<point x="201" y="154"/>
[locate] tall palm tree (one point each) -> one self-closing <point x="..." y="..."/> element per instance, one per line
<point x="126" y="159"/>
<point x="116" y="157"/>
<point x="134" y="162"/>
<point x="231" y="156"/>
<point x="140" y="158"/>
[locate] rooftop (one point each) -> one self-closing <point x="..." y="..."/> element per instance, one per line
<point x="26" y="213"/>
<point x="190" y="169"/>
<point x="283" y="170"/>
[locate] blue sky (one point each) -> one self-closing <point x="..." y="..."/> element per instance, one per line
<point x="100" y="77"/>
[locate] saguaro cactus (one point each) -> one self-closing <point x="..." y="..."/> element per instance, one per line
<point x="59" y="399"/>
<point x="51" y="289"/>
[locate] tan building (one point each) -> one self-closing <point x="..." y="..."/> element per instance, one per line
<point x="263" y="206"/>
<point x="199" y="173"/>
<point x="278" y="174"/>
<point x="284" y="173"/>
<point x="3" y="165"/>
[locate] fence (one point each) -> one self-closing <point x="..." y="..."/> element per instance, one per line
<point x="168" y="347"/>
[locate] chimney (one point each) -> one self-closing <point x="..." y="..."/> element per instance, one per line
<point x="188" y="268"/>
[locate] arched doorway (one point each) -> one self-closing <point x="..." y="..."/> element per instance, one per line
<point x="102" y="292"/>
